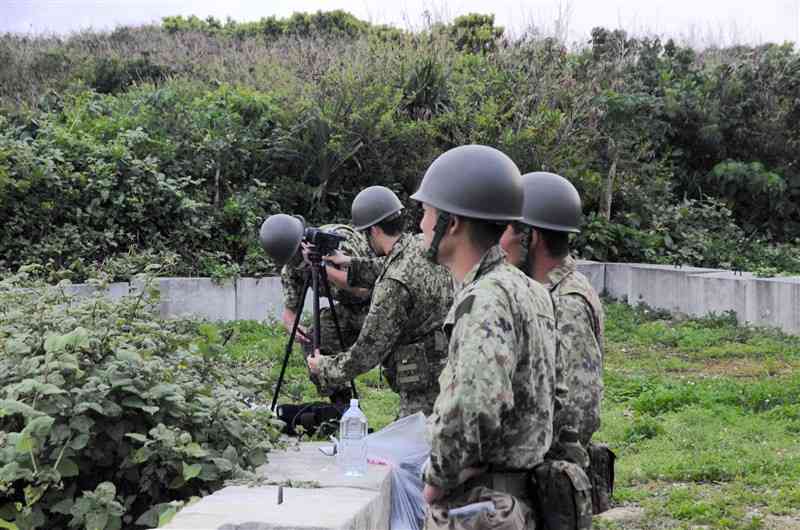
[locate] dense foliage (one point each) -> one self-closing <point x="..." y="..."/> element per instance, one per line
<point x="173" y="142"/>
<point x="109" y="416"/>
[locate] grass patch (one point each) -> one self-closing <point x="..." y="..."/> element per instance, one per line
<point x="704" y="416"/>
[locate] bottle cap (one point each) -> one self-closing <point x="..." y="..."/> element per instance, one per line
<point x="354" y="403"/>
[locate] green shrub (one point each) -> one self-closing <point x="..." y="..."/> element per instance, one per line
<point x="112" y="75"/>
<point x="107" y="413"/>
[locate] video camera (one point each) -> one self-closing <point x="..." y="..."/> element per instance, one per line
<point x="324" y="241"/>
<point x="281" y="234"/>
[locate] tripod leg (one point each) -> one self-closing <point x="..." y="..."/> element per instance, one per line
<point x="327" y="287"/>
<point x="290" y="343"/>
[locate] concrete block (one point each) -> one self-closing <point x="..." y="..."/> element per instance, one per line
<point x="195" y="297"/>
<point x="662" y="286"/>
<point x="595" y="272"/>
<point x="331" y="501"/>
<point x="115" y="291"/>
<point x="259" y="298"/>
<point x="718" y="293"/>
<point x="617" y="283"/>
<point x="774" y="302"/>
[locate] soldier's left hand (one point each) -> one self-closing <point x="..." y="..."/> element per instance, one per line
<point x="305" y="248"/>
<point x="313" y="362"/>
<point x="432" y="493"/>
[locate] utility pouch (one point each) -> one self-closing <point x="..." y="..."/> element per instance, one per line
<point x="413" y="372"/>
<point x="562" y="495"/>
<point x="601" y="475"/>
<point x="418" y="365"/>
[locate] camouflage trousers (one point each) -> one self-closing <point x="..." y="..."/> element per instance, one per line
<point x="413" y="402"/>
<point x="350" y="319"/>
<point x="511" y="513"/>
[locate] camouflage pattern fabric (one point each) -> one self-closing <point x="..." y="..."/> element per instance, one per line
<point x="580" y="321"/>
<point x="496" y="401"/>
<point x="364" y="272"/>
<point x="409" y="302"/>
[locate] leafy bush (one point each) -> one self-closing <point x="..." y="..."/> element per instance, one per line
<point x="107" y="413"/>
<point x="113" y="75"/>
<point x="194" y="130"/>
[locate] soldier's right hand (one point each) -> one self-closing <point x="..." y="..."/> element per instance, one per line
<point x="338" y="259"/>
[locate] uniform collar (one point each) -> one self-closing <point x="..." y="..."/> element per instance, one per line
<point x="557" y="275"/>
<point x="491" y="259"/>
<point x="398" y="247"/>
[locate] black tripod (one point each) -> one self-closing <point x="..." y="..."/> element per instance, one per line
<point x="315" y="276"/>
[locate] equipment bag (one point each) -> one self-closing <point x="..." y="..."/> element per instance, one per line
<point x="562" y="494"/>
<point x="601" y="474"/>
<point x="311" y="416"/>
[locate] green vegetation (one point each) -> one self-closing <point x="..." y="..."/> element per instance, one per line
<point x="704" y="416"/>
<point x="171" y="143"/>
<point x="112" y="418"/>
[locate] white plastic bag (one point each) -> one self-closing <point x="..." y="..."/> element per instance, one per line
<point x="403" y="446"/>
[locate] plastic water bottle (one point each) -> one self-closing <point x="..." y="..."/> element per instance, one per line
<point x="352" y="450"/>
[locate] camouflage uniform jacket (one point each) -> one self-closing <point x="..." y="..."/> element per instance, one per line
<point x="364" y="272"/>
<point x="579" y="321"/>
<point x="497" y="389"/>
<point x="293" y="273"/>
<point x="409" y="302"/>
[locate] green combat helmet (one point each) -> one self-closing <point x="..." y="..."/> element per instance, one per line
<point x="280" y="237"/>
<point x="372" y="205"/>
<point x="474" y="181"/>
<point x="551" y="202"/>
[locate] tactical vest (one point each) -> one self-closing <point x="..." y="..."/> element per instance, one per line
<point x="417" y="361"/>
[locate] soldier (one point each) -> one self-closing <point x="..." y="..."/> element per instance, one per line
<point x="540" y="247"/>
<point x="402" y="330"/>
<point x="492" y="422"/>
<point x="352" y="305"/>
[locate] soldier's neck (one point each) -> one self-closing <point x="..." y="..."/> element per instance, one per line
<point x="389" y="242"/>
<point x="542" y="264"/>
<point x="465" y="259"/>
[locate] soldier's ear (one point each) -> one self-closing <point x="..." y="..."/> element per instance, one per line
<point x="455" y="224"/>
<point x="535" y="238"/>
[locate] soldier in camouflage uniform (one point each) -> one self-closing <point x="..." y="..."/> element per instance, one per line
<point x="540" y="246"/>
<point x="492" y="422"/>
<point x="352" y="303"/>
<point x="351" y="307"/>
<point x="402" y="330"/>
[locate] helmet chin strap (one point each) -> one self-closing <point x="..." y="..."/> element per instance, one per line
<point x="525" y="248"/>
<point x="442" y="220"/>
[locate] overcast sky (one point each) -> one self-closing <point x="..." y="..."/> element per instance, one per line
<point x="699" y="21"/>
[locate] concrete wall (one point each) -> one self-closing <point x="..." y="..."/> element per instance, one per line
<point x="774" y="302"/>
<point x="661" y="286"/>
<point x="689" y="290"/>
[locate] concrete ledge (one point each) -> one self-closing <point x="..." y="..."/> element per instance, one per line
<point x="617" y="281"/>
<point x="774" y="302"/>
<point x="259" y="298"/>
<point x="662" y="286"/>
<point x="342" y="503"/>
<point x="115" y="291"/>
<point x="718" y="293"/>
<point x="695" y="291"/>
<point x="595" y="272"/>
<point x="195" y="297"/>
